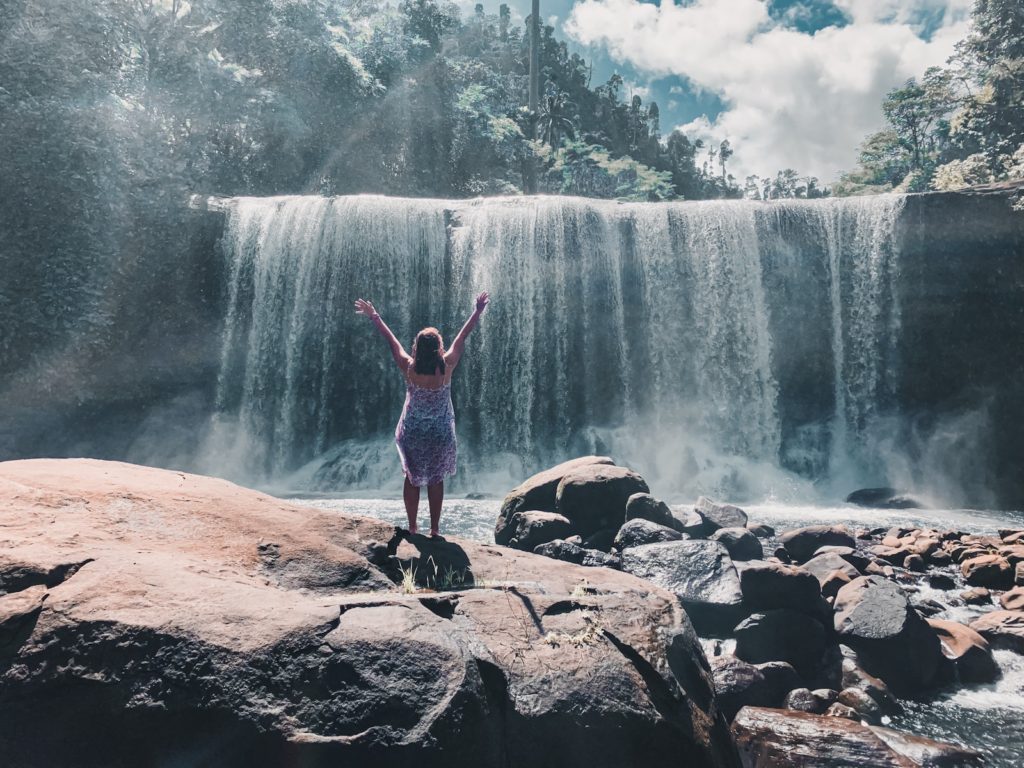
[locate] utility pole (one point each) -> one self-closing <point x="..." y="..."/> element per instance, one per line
<point x="530" y="175"/>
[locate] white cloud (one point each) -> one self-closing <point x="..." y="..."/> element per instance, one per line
<point x="793" y="99"/>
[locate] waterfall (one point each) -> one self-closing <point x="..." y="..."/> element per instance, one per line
<point x="676" y="336"/>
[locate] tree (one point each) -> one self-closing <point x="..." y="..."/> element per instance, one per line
<point x="554" y="123"/>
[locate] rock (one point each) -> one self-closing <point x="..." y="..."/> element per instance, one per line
<point x="209" y="624"/>
<point x="861" y="704"/>
<point x="940" y="558"/>
<point x="602" y="540"/>
<point x="782" y="738"/>
<point x="700" y="573"/>
<point x="717" y="515"/>
<point x="823" y="566"/>
<point x="941" y="581"/>
<point x="1013" y="600"/>
<point x="1003" y="629"/>
<point x="766" y="586"/>
<point x="977" y="596"/>
<point x="968" y="651"/>
<point x="1012" y="536"/>
<point x="573" y="553"/>
<point x="883" y="498"/>
<point x="782" y="555"/>
<point x="687" y="521"/>
<point x="538" y="493"/>
<point x="802" y="543"/>
<point x="895" y="555"/>
<point x="761" y="530"/>
<point x="841" y="710"/>
<point x="992" y="571"/>
<point x="1014" y="554"/>
<point x="855" y="677"/>
<point x="1018" y="575"/>
<point x="739" y="542"/>
<point x="873" y="616"/>
<point x="804" y="700"/>
<point x="594" y="496"/>
<point x="535" y="528"/>
<point x="781" y="635"/>
<point x="780" y="678"/>
<point x="928" y="607"/>
<point x="833" y="582"/>
<point x="915" y="563"/>
<point x="739" y="684"/>
<point x="639" y="531"/>
<point x="643" y="506"/>
<point x="575" y="539"/>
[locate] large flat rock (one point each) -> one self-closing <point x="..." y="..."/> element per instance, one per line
<point x="155" y="617"/>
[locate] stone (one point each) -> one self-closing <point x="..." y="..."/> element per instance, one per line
<point x="967" y="650"/>
<point x="571" y="552"/>
<point x="801" y="543"/>
<point x="941" y="581"/>
<point x="717" y="515"/>
<point x="535" y="528"/>
<point x="782" y="555"/>
<point x="687" y="521"/>
<point x="739" y="684"/>
<point x="992" y="571"/>
<point x="928" y="607"/>
<point x="1018" y="575"/>
<point x="841" y="710"/>
<point x="883" y="498"/>
<point x="601" y="540"/>
<point x="784" y="738"/>
<point x="1010" y="536"/>
<point x="1014" y="554"/>
<point x="206" y="623"/>
<point x="594" y="496"/>
<point x="915" y="563"/>
<point x="700" y="573"/>
<point x="766" y="586"/>
<point x="977" y="596"/>
<point x="833" y="582"/>
<point x="895" y="555"/>
<point x="823" y="566"/>
<point x="780" y="678"/>
<point x="892" y="641"/>
<point x="1002" y="629"/>
<point x="761" y="530"/>
<point x="864" y="707"/>
<point x="538" y="493"/>
<point x="739" y="542"/>
<point x="781" y="635"/>
<point x="1013" y="600"/>
<point x="803" y="700"/>
<point x="639" y="531"/>
<point x="643" y="506"/>
<point x="855" y="677"/>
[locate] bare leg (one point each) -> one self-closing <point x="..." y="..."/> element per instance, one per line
<point x="411" y="494"/>
<point x="435" y="496"/>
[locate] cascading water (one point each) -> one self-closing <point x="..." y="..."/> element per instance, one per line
<point x="715" y="346"/>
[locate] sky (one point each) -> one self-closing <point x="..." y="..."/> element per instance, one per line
<point x="791" y="83"/>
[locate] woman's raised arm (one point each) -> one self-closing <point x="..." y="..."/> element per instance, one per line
<point x="398" y="352"/>
<point x="453" y="355"/>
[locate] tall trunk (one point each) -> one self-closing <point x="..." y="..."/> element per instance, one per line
<point x="530" y="171"/>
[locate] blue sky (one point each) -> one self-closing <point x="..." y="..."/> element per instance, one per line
<point x="791" y="83"/>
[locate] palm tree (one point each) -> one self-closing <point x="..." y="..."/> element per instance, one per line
<point x="553" y="122"/>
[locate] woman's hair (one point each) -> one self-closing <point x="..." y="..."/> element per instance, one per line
<point x="428" y="352"/>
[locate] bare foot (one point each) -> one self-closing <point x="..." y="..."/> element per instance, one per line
<point x="413" y="530"/>
<point x="434" y="533"/>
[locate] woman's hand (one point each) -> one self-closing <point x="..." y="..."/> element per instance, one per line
<point x="481" y="302"/>
<point x="363" y="307"/>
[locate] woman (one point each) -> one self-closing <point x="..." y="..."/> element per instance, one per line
<point x="426" y="431"/>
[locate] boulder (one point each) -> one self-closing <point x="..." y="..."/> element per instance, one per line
<point x="1003" y="629"/>
<point x="824" y="565"/>
<point x="717" y="515"/>
<point x="594" y="496"/>
<point x="162" y="618"/>
<point x="801" y="543"/>
<point x="915" y="563"/>
<point x="967" y="650"/>
<point x="941" y="581"/>
<point x="780" y="678"/>
<point x="739" y="542"/>
<point x="571" y="552"/>
<point x="1018" y="575"/>
<point x="883" y="498"/>
<point x="700" y="573"/>
<point x="1013" y="600"/>
<point x="783" y="738"/>
<point x="833" y="582"/>
<point x="639" y="531"/>
<point x="781" y="635"/>
<point x="992" y="571"/>
<point x="855" y="677"/>
<point x="774" y="585"/>
<point x="686" y="520"/>
<point x="739" y="684"/>
<point x="761" y="530"/>
<point x="535" y="528"/>
<point x="892" y="641"/>
<point x="841" y="710"/>
<point x="538" y="493"/>
<point x="977" y="596"/>
<point x="643" y="506"/>
<point x="601" y="540"/>
<point x="864" y="707"/>
<point x="804" y="700"/>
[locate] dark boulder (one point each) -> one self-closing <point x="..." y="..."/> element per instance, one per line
<point x="854" y="677"/>
<point x="688" y="521"/>
<point x="573" y="553"/>
<point x="883" y="498"/>
<point x="538" y="493"/>
<point x="761" y="530"/>
<point x="739" y="542"/>
<point x="720" y="515"/>
<point x="700" y="573"/>
<point x="1012" y="600"/>
<point x="780" y="678"/>
<point x="766" y="586"/>
<point x="892" y="641"/>
<point x="804" y="700"/>
<point x="781" y="635"/>
<point x="941" y="581"/>
<point x="739" y="684"/>
<point x="594" y="496"/>
<point x="968" y="651"/>
<point x="535" y="528"/>
<point x="643" y="506"/>
<point x="802" y="543"/>
<point x="601" y="540"/>
<point x="992" y="571"/>
<point x="640" y="531"/>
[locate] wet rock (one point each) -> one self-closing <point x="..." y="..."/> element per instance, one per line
<point x="594" y="496"/>
<point x="781" y="635"/>
<point x="977" y="596"/>
<point x="782" y="738"/>
<point x="992" y="571"/>
<point x="1003" y="629"/>
<point x="782" y="555"/>
<point x="538" y="493"/>
<point x="883" y="498"/>
<point x="1014" y="554"/>
<point x="766" y="586"/>
<point x="802" y="543"/>
<point x="941" y="581"/>
<point x="700" y="573"/>
<point x="1013" y="600"/>
<point x="761" y="530"/>
<point x="571" y="552"/>
<point x="928" y="607"/>
<point x="643" y="506"/>
<point x="739" y="684"/>
<point x="940" y="558"/>
<point x="823" y="566"/>
<point x="780" y="678"/>
<point x="640" y="531"/>
<point x="739" y="542"/>
<point x="532" y="529"/>
<point x="892" y="641"/>
<point x="720" y="515"/>
<point x="863" y="706"/>
<point x="804" y="700"/>
<point x="967" y="650"/>
<point x="855" y="677"/>
<point x="894" y="555"/>
<point x="915" y="563"/>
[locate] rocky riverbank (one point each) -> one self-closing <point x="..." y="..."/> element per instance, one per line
<point x="824" y="626"/>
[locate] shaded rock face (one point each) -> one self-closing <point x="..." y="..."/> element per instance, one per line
<point x="717" y="515"/>
<point x="781" y="635"/>
<point x="779" y="738"/>
<point x="205" y="622"/>
<point x="643" y="506"/>
<point x="637" y="532"/>
<point x="535" y="528"/>
<point x="883" y="498"/>
<point x="594" y="496"/>
<point x="741" y="543"/>
<point x="774" y="585"/>
<point x="967" y="650"/>
<point x="1003" y="629"/>
<point x="892" y="641"/>
<point x="802" y="543"/>
<point x="700" y="573"/>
